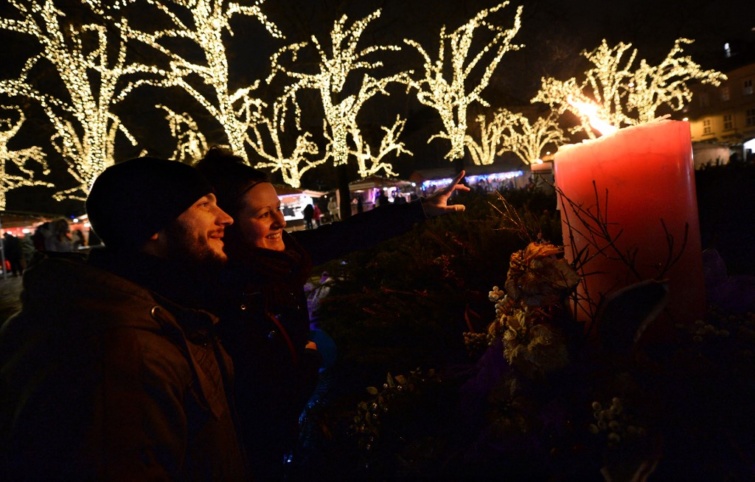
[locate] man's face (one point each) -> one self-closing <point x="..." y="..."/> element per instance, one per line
<point x="260" y="219"/>
<point x="197" y="234"/>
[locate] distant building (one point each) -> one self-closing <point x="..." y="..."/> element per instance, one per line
<point x="722" y="119"/>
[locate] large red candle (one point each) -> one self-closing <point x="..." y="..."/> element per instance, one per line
<point x="643" y="177"/>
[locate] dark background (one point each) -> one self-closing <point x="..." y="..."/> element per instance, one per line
<point x="553" y="32"/>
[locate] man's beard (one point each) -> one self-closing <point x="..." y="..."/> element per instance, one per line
<point x="194" y="254"/>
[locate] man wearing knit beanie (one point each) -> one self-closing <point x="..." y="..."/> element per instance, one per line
<point x="112" y="369"/>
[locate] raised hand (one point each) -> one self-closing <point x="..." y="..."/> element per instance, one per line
<point x="437" y="204"/>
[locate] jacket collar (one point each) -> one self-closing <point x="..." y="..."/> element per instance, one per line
<point x="173" y="280"/>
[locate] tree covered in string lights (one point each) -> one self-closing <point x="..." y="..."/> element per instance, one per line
<point x="91" y="66"/>
<point x="264" y="137"/>
<point x="509" y="131"/>
<point x="485" y="150"/>
<point x="369" y="162"/>
<point x="528" y="139"/>
<point x="93" y="55"/>
<point x="447" y="83"/>
<point x="206" y="77"/>
<point x="341" y="102"/>
<point x="20" y="158"/>
<point x="616" y="92"/>
<point x="191" y="144"/>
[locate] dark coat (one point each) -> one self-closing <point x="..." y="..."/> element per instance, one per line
<point x="103" y="379"/>
<point x="265" y="329"/>
<point x="265" y="326"/>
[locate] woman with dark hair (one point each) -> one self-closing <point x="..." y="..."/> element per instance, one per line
<point x="261" y="302"/>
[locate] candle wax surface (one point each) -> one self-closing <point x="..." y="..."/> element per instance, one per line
<point x="643" y="175"/>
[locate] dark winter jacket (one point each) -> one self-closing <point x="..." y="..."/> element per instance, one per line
<point x="265" y="326"/>
<point x="103" y="379"/>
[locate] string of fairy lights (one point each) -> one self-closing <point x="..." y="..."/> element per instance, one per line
<point x="370" y="164"/>
<point x="97" y="72"/>
<point x="528" y="140"/>
<point x="513" y="132"/>
<point x="264" y="135"/>
<point x="341" y="107"/>
<point x="83" y="121"/>
<point x="614" y="93"/>
<point x="191" y="144"/>
<point x="451" y="97"/>
<point x="21" y="158"/>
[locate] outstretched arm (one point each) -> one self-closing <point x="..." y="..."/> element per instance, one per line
<point x="437" y="204"/>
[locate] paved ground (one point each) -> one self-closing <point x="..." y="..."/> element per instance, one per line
<point x="10" y="290"/>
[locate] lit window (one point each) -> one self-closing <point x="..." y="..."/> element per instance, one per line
<point x="727" y="50"/>
<point x="725" y="93"/>
<point x="747" y="87"/>
<point x="750" y="118"/>
<point x="728" y="122"/>
<point x="706" y="127"/>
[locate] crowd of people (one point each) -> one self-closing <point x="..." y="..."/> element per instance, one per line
<point x="183" y="348"/>
<point x="54" y="236"/>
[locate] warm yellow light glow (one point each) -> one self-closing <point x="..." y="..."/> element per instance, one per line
<point x="265" y="139"/>
<point x="345" y="60"/>
<point x="491" y="137"/>
<point x="369" y="163"/>
<point x="513" y="132"/>
<point x="590" y="110"/>
<point x="20" y="158"/>
<point x="190" y="142"/>
<point x="527" y="140"/>
<point x="616" y="93"/>
<point x="447" y="84"/>
<point x="233" y="109"/>
<point x="90" y="61"/>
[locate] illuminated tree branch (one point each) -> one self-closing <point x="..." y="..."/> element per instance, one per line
<point x="666" y="84"/>
<point x="369" y="163"/>
<point x="451" y="98"/>
<point x="491" y="135"/>
<point x="233" y="109"/>
<point x="91" y="63"/>
<point x="264" y="138"/>
<point x="19" y="158"/>
<point x="529" y="140"/>
<point x="616" y="95"/>
<point x="190" y="142"/>
<point x="333" y="68"/>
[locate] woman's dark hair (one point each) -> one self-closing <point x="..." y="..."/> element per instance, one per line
<point x="230" y="176"/>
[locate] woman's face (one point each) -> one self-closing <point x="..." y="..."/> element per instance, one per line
<point x="260" y="219"/>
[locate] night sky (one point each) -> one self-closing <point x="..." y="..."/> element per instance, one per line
<point x="553" y="32"/>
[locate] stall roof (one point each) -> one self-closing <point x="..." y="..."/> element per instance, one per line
<point x="20" y="219"/>
<point x="286" y="190"/>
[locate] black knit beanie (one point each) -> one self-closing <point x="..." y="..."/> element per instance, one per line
<point x="132" y="200"/>
<point x="230" y="176"/>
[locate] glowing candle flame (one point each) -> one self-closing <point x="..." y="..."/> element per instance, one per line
<point x="590" y="110"/>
